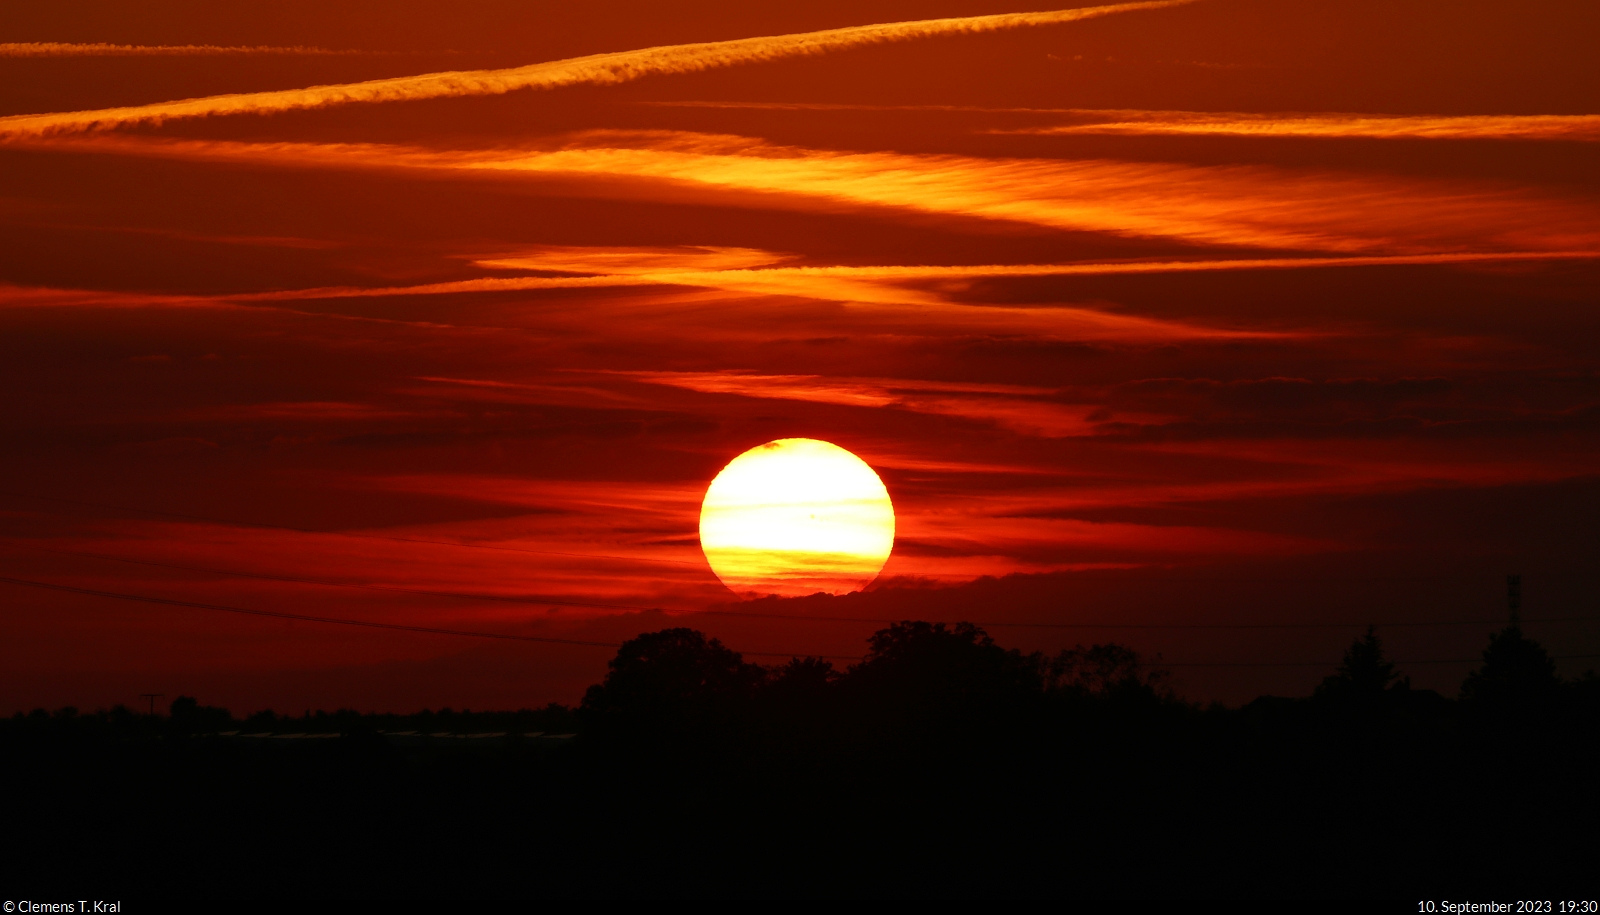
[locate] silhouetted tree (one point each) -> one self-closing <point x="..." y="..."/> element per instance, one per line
<point x="801" y="678"/>
<point x="672" y="679"/>
<point x="1516" y="671"/>
<point x="796" y="701"/>
<point x="1109" y="671"/>
<point x="188" y="716"/>
<point x="1365" y="674"/>
<point x="923" y="674"/>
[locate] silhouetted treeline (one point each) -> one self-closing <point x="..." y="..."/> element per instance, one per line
<point x="940" y="765"/>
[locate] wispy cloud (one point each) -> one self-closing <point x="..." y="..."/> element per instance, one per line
<point x="1251" y="206"/>
<point x="1246" y="206"/>
<point x="877" y="288"/>
<point x="631" y="260"/>
<point x="1018" y="408"/>
<point x="1573" y="127"/>
<point x="883" y="287"/>
<point x="598" y="69"/>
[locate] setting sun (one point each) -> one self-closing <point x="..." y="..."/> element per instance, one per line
<point x="797" y="516"/>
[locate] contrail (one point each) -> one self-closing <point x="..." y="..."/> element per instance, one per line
<point x="1573" y="127"/>
<point x="101" y="49"/>
<point x="597" y="69"/>
<point x="1137" y="122"/>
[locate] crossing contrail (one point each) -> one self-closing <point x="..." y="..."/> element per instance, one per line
<point x="597" y="69"/>
<point x="102" y="49"/>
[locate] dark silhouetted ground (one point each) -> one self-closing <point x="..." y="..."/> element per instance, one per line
<point x="941" y="766"/>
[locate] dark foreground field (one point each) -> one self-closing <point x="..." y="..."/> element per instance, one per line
<point x="943" y="766"/>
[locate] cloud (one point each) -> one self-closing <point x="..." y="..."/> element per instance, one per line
<point x="874" y="292"/>
<point x="880" y="294"/>
<point x="863" y="283"/>
<point x="1304" y="400"/>
<point x="1014" y="407"/>
<point x="1250" y="206"/>
<point x="626" y="260"/>
<point x="597" y="69"/>
<point x="1575" y="127"/>
<point x="1236" y="205"/>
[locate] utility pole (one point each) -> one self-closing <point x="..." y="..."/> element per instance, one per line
<point x="152" y="697"/>
<point x="1514" y="599"/>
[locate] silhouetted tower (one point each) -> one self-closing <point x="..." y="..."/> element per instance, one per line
<point x="1514" y="599"/>
<point x="152" y="697"/>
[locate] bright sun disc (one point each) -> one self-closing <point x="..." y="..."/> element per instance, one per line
<point x="794" y="517"/>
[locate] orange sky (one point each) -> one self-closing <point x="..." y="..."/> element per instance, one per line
<point x="1167" y="316"/>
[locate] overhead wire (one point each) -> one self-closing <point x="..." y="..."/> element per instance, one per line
<point x="432" y="630"/>
<point x="685" y="562"/>
<point x="342" y="621"/>
<point x="354" y="534"/>
<point x="1160" y="663"/>
<point x="558" y="602"/>
<point x="292" y="579"/>
<point x="565" y="602"/>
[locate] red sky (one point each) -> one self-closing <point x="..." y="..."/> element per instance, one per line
<point x="1202" y="315"/>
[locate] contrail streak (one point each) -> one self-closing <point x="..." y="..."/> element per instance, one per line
<point x="597" y="69"/>
<point x="101" y="49"/>
<point x="1138" y="122"/>
<point x="1571" y="127"/>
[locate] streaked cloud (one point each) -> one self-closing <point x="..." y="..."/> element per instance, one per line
<point x="1242" y="206"/>
<point x="1251" y="206"/>
<point x="863" y="283"/>
<point x="624" y="260"/>
<point x="1014" y="407"/>
<point x="874" y="290"/>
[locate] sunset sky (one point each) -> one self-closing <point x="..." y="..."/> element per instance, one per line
<point x="1164" y="317"/>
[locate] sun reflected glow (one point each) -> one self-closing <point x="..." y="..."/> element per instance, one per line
<point x="797" y="516"/>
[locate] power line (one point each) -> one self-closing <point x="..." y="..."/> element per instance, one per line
<point x="1002" y="625"/>
<point x="279" y="614"/>
<point x="1325" y="664"/>
<point x="1398" y="663"/>
<point x="515" y="599"/>
<point x="562" y="602"/>
<point x="686" y="562"/>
